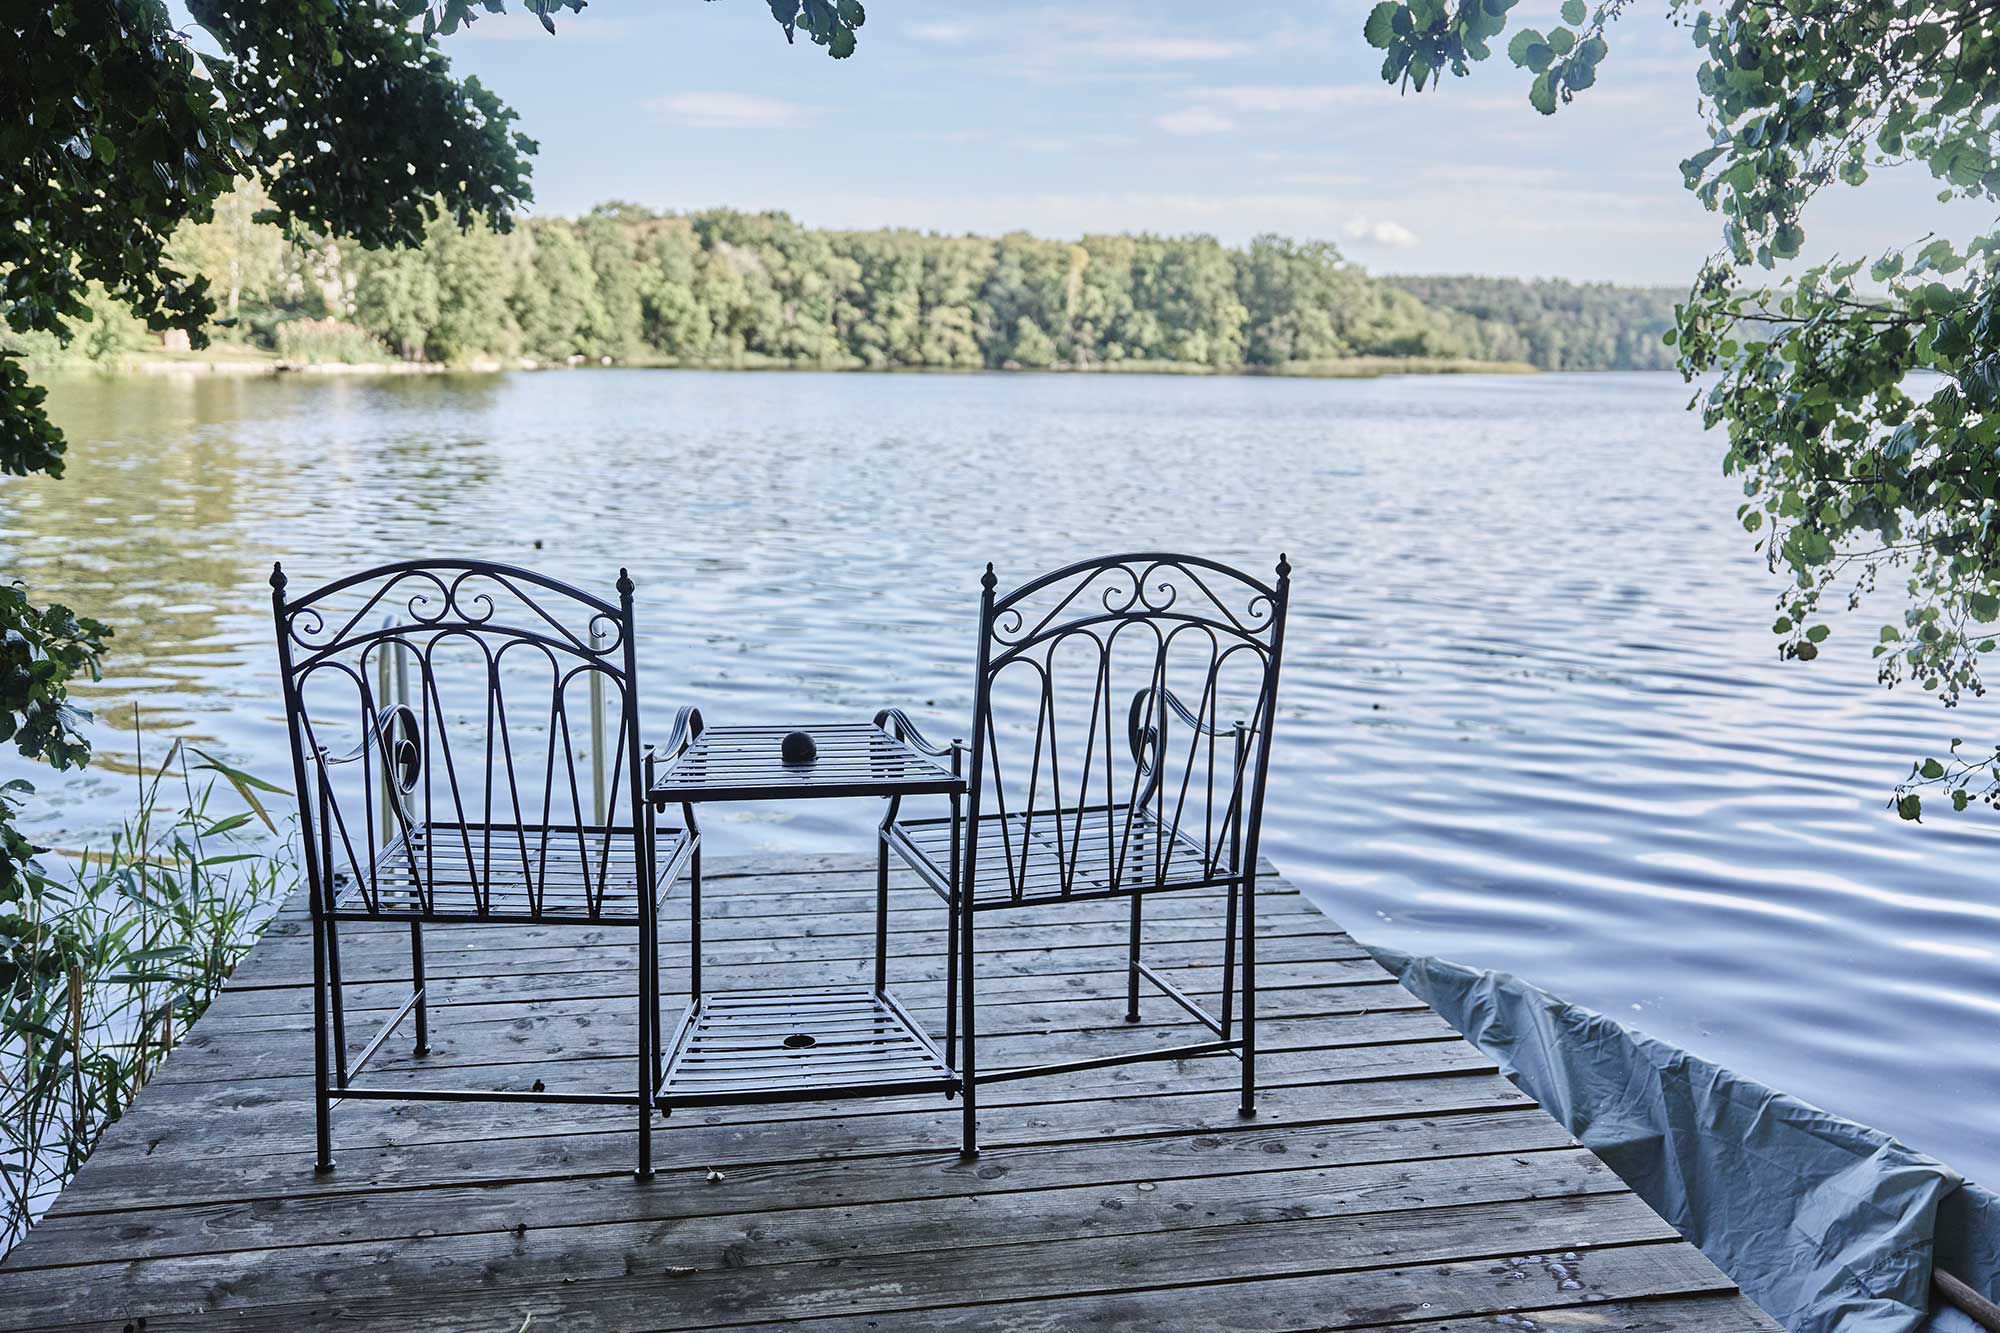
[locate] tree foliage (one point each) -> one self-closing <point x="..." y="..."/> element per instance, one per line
<point x="744" y="289"/>
<point x="117" y="135"/>
<point x="1560" y="325"/>
<point x="1860" y="395"/>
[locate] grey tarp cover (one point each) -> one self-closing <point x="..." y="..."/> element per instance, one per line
<point x="1825" y="1223"/>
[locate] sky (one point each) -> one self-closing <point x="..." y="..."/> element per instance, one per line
<point x="1167" y="117"/>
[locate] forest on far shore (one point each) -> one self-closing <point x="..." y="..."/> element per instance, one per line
<point x="725" y="288"/>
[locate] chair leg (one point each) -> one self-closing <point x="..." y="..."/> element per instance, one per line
<point x="322" y="1101"/>
<point x="951" y="987"/>
<point x="960" y="888"/>
<point x="340" y="1076"/>
<point x="648" y="970"/>
<point x="1249" y="1107"/>
<point x="1132" y="964"/>
<point x="659" y="1039"/>
<point x="969" y="1140"/>
<point x="1229" y="961"/>
<point x="417" y="978"/>
<point x="694" y="925"/>
<point x="881" y="915"/>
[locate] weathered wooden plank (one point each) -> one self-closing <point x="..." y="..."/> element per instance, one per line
<point x="755" y="1186"/>
<point x="784" y="907"/>
<point x="468" y="952"/>
<point x="940" y="1227"/>
<point x="568" y="1141"/>
<point x="288" y="1007"/>
<point x="273" y="1119"/>
<point x="1665" y="1314"/>
<point x="571" y="1031"/>
<point x="1475" y="1291"/>
<point x="654" y="1288"/>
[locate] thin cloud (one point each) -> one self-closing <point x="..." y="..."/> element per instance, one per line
<point x="1378" y="232"/>
<point x="1280" y="99"/>
<point x="944" y="34"/>
<point x="1165" y="50"/>
<point x="1195" y="120"/>
<point x="1069" y="143"/>
<point x="728" y="111"/>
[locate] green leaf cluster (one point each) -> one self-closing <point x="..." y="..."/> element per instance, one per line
<point x="116" y="133"/>
<point x="1860" y="401"/>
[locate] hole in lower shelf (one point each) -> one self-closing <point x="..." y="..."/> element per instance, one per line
<point x="798" y="1041"/>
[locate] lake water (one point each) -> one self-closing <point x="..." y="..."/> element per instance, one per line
<point x="1532" y="715"/>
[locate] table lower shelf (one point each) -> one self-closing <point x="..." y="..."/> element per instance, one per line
<point x="733" y="1047"/>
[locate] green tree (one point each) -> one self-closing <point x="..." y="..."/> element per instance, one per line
<point x="1292" y="296"/>
<point x="1028" y="297"/>
<point x="1103" y="305"/>
<point x="953" y="320"/>
<point x="609" y="239"/>
<point x="243" y="258"/>
<point x="396" y="298"/>
<point x="882" y="312"/>
<point x="677" y="324"/>
<point x="1188" y="287"/>
<point x="555" y="298"/>
<point x="475" y="276"/>
<point x="1860" y="475"/>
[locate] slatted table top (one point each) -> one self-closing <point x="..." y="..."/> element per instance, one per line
<point x="1392" y="1179"/>
<point x="746" y="764"/>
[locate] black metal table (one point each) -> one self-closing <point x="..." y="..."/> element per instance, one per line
<point x="756" y="1046"/>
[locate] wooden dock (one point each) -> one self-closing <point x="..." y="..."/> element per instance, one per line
<point x="1391" y="1179"/>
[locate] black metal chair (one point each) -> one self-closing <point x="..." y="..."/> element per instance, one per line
<point x="1055" y="814"/>
<point x="499" y="792"/>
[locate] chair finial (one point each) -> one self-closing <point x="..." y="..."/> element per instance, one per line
<point x="624" y="581"/>
<point x="1284" y="567"/>
<point x="278" y="575"/>
<point x="989" y="580"/>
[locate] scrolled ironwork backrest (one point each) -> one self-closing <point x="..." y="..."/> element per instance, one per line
<point x="439" y="719"/>
<point x="1123" y="720"/>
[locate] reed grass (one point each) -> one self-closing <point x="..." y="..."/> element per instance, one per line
<point x="103" y="971"/>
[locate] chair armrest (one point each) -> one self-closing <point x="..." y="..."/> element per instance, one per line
<point x="898" y="724"/>
<point x="686" y="730"/>
<point x="395" y="731"/>
<point x="1148" y="738"/>
<point x="1174" y="705"/>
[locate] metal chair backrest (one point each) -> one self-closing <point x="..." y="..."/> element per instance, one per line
<point x="463" y="695"/>
<point x="1122" y="724"/>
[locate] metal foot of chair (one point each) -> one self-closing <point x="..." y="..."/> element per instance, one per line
<point x="323" y="1168"/>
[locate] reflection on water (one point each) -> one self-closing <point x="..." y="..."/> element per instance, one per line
<point x="1532" y="717"/>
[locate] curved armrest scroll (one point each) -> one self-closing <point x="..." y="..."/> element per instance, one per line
<point x="686" y="729"/>
<point x="1146" y="729"/>
<point x="395" y="730"/>
<point x="898" y="724"/>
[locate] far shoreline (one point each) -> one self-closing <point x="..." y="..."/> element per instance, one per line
<point x="237" y="361"/>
